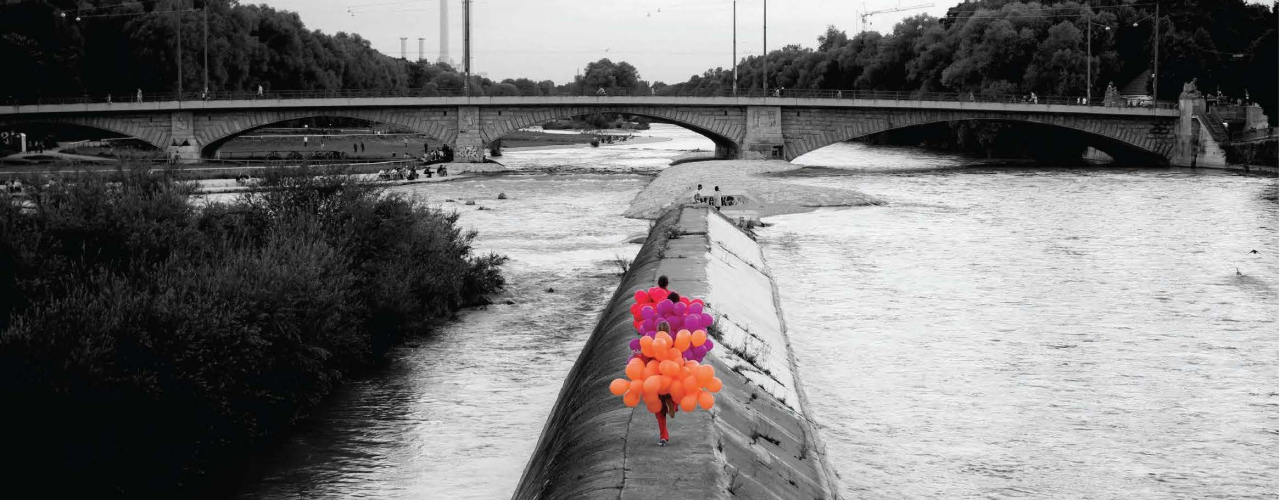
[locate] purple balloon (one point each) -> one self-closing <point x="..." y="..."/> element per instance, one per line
<point x="695" y="309"/>
<point x="646" y="325"/>
<point x="651" y="333"/>
<point x="635" y="344"/>
<point x="647" y="312"/>
<point x="707" y="320"/>
<point x="675" y="323"/>
<point x="664" y="308"/>
<point x="708" y="345"/>
<point x="679" y="308"/>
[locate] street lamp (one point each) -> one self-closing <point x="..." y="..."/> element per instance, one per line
<point x="1088" y="68"/>
<point x="1155" y="58"/>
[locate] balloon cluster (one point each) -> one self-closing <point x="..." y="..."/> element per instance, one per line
<point x="652" y="307"/>
<point x="667" y="373"/>
<point x="664" y="365"/>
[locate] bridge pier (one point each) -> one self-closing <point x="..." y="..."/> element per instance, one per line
<point x="763" y="140"/>
<point x="183" y="145"/>
<point x="468" y="146"/>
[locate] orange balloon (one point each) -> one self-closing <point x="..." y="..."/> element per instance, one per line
<point x="665" y="386"/>
<point x="706" y="401"/>
<point x="676" y="390"/>
<point x="705" y="372"/>
<point x="663" y="335"/>
<point x="635" y="369"/>
<point x="688" y="404"/>
<point x="652" y="384"/>
<point x="691" y="363"/>
<point x="645" y="341"/>
<point x="661" y="344"/>
<point x="674" y="354"/>
<point x="715" y="384"/>
<point x="637" y="386"/>
<point x="691" y="383"/>
<point x="654" y="406"/>
<point x="650" y="369"/>
<point x="682" y="340"/>
<point x="669" y="368"/>
<point x="631" y="399"/>
<point x="619" y="386"/>
<point x="699" y="337"/>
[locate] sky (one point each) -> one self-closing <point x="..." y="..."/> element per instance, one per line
<point x="667" y="40"/>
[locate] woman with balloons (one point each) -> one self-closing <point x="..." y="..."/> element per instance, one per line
<point x="666" y="371"/>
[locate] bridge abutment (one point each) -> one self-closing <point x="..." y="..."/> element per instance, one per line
<point x="468" y="147"/>
<point x="183" y="145"/>
<point x="763" y="140"/>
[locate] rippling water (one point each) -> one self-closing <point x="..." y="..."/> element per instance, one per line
<point x="995" y="331"/>
<point x="1000" y="331"/>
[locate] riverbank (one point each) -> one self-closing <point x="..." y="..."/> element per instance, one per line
<point x="739" y="177"/>
<point x="756" y="442"/>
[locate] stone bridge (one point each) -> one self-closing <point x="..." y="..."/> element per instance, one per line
<point x="748" y="128"/>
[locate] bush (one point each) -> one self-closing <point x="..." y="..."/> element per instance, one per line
<point x="149" y="343"/>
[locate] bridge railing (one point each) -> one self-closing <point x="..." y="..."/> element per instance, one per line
<point x="887" y="95"/>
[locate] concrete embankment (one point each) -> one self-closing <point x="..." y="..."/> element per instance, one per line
<point x="757" y="442"/>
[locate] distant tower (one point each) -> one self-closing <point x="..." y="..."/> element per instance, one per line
<point x="402" y="51"/>
<point x="420" y="39"/>
<point x="444" y="31"/>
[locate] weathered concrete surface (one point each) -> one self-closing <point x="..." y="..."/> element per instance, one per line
<point x="757" y="442"/>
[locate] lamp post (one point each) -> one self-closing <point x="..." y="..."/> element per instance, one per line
<point x="735" y="48"/>
<point x="1155" y="58"/>
<point x="764" y="51"/>
<point x="206" y="47"/>
<point x="1088" y="68"/>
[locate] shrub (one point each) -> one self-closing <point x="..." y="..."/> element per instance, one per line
<point x="150" y="343"/>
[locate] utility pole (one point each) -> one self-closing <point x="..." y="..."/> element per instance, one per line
<point x="178" y="18"/>
<point x="1088" y="67"/>
<point x="466" y="44"/>
<point x="764" y="54"/>
<point x="1155" y="74"/>
<point x="735" y="48"/>
<point x="206" y="46"/>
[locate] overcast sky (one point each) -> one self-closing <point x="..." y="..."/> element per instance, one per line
<point x="667" y="40"/>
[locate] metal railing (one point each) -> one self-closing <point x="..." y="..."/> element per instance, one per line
<point x="879" y="95"/>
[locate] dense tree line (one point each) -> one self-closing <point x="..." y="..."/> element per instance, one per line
<point x="73" y="47"/>
<point x="1011" y="46"/>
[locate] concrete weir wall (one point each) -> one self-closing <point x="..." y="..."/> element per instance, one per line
<point x="757" y="442"/>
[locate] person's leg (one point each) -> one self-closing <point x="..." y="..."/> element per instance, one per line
<point x="662" y="425"/>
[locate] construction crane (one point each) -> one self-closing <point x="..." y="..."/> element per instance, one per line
<point x="866" y="14"/>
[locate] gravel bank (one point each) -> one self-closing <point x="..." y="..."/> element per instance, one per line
<point x="677" y="183"/>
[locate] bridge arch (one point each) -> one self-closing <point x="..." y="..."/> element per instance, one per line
<point x="144" y="128"/>
<point x="213" y="130"/>
<point x="723" y="125"/>
<point x="1114" y="135"/>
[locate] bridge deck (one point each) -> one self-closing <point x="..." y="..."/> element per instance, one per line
<point x="373" y="102"/>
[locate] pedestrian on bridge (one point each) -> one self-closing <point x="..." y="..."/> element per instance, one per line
<point x="259" y="91"/>
<point x="139" y="95"/>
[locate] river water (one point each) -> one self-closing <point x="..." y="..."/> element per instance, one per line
<point x="995" y="330"/>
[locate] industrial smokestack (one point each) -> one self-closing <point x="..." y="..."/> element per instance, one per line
<point x="402" y="54"/>
<point x="420" y="39"/>
<point x="444" y="31"/>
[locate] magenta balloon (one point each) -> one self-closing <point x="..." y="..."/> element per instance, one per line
<point x="675" y="323"/>
<point x="664" y="307"/>
<point x="635" y="344"/>
<point x="706" y="319"/>
<point x="647" y="312"/>
<point x="708" y="345"/>
<point x="647" y="325"/>
<point x="695" y="308"/>
<point x="679" y="308"/>
<point x="651" y="333"/>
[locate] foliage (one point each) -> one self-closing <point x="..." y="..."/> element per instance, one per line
<point x="1010" y="46"/>
<point x="148" y="342"/>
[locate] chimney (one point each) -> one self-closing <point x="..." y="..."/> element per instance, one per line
<point x="420" y="39"/>
<point x="402" y="54"/>
<point x="444" y="31"/>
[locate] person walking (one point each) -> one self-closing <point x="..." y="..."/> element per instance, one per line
<point x="139" y="99"/>
<point x="716" y="198"/>
<point x="697" y="195"/>
<point x="259" y="91"/>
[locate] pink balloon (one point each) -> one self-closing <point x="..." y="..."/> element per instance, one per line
<point x="642" y="297"/>
<point x="695" y="309"/>
<point x="647" y="312"/>
<point x="679" y="308"/>
<point x="706" y="320"/>
<point x="664" y="308"/>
